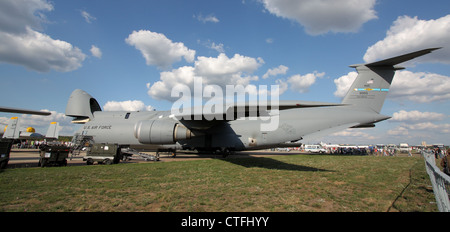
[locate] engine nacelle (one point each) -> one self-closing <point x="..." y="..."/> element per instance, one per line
<point x="160" y="132"/>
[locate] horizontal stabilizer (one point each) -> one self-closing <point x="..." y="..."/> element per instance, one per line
<point x="370" y="125"/>
<point x="398" y="59"/>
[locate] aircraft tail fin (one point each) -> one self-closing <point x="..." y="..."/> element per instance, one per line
<point x="52" y="131"/>
<point x="81" y="106"/>
<point x="372" y="84"/>
<point x="12" y="129"/>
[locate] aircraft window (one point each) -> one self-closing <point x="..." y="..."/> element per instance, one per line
<point x="127" y="115"/>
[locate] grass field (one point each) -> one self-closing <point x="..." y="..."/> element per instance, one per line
<point x="291" y="183"/>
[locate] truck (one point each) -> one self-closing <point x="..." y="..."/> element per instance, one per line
<point x="53" y="155"/>
<point x="103" y="153"/>
<point x="108" y="153"/>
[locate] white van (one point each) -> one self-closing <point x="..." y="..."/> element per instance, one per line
<point x="314" y="149"/>
<point x="404" y="147"/>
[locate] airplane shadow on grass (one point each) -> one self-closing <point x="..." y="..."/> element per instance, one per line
<point x="268" y="163"/>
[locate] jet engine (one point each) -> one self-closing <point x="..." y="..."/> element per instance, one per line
<point x="161" y="132"/>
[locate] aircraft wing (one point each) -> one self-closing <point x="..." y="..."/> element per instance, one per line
<point x="23" y="111"/>
<point x="204" y="117"/>
<point x="285" y="105"/>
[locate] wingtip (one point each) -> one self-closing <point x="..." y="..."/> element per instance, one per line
<point x="402" y="58"/>
<point x="382" y="62"/>
<point x="432" y="49"/>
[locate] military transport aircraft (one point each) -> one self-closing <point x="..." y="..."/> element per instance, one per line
<point x="231" y="132"/>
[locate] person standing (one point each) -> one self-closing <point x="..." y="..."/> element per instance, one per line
<point x="445" y="163"/>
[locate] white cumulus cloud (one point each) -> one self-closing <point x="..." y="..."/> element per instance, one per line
<point x="415" y="115"/>
<point x="422" y="129"/>
<point x="158" y="50"/>
<point x="168" y="80"/>
<point x="15" y="15"/>
<point x="275" y="71"/>
<point x="420" y="87"/>
<point x="408" y="34"/>
<point x="301" y="83"/>
<point x="220" y="70"/>
<point x="95" y="51"/>
<point x="130" y="105"/>
<point x="343" y="84"/>
<point x="320" y="17"/>
<point x="38" y="51"/>
<point x="21" y="44"/>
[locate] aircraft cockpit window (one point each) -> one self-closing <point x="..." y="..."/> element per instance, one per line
<point x="127" y="115"/>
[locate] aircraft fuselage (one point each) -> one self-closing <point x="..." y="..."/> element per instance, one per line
<point x="238" y="135"/>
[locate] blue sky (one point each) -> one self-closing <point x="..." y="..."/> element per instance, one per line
<point x="130" y="53"/>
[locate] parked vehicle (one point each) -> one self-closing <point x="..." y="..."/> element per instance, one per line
<point x="103" y="154"/>
<point x="5" y="149"/>
<point x="404" y="148"/>
<point x="314" y="149"/>
<point x="53" y="155"/>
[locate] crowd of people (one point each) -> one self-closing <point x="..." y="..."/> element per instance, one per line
<point x="371" y="150"/>
<point x="32" y="144"/>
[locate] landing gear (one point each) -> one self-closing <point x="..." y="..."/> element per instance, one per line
<point x="225" y="152"/>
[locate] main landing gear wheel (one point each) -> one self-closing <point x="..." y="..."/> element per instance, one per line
<point x="225" y="152"/>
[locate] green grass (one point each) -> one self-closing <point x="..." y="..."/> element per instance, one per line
<point x="282" y="183"/>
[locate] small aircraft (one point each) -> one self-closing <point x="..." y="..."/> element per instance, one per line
<point x="12" y="132"/>
<point x="162" y="130"/>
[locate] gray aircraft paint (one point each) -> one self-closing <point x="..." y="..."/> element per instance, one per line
<point x="297" y="119"/>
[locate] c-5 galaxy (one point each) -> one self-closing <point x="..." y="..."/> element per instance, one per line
<point x="162" y="130"/>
